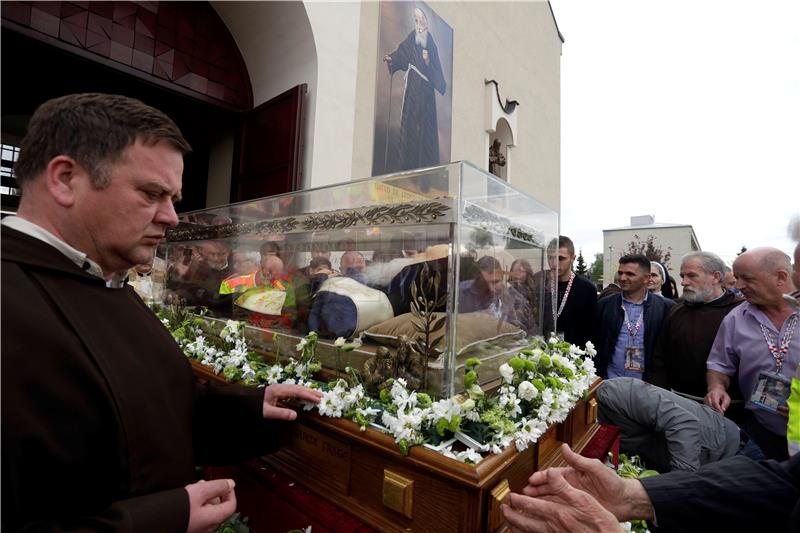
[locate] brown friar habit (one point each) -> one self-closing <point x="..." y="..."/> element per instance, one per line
<point x="102" y="421"/>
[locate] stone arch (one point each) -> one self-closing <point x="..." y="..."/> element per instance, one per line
<point x="503" y="133"/>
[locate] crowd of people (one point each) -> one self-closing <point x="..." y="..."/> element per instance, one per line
<point x="103" y="422"/>
<point x="699" y="387"/>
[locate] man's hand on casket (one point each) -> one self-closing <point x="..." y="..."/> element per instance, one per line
<point x="275" y="393"/>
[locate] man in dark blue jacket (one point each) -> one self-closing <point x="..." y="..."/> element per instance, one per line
<point x="627" y="324"/>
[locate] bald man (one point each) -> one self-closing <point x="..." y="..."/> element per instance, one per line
<point x="759" y="338"/>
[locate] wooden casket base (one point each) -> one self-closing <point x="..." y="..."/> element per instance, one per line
<point x="365" y="474"/>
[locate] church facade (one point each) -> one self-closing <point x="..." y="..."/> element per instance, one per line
<point x="279" y="96"/>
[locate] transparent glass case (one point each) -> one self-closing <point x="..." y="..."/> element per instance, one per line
<point x="427" y="268"/>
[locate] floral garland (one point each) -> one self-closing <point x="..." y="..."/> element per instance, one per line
<point x="229" y="355"/>
<point x="540" y="386"/>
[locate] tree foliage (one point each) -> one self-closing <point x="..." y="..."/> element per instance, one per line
<point x="580" y="266"/>
<point x="596" y="270"/>
<point x="650" y="249"/>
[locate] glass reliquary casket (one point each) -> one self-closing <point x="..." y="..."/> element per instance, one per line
<point x="428" y="268"/>
<point x="432" y="270"/>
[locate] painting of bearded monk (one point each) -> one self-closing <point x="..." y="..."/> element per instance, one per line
<point x="413" y="114"/>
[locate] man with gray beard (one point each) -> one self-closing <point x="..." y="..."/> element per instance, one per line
<point x="679" y="362"/>
<point x="419" y="130"/>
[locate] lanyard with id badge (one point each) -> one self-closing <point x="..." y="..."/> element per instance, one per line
<point x="634" y="352"/>
<point x="772" y="389"/>
<point x="554" y="292"/>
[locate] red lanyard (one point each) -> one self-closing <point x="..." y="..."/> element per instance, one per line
<point x="779" y="351"/>
<point x="633" y="329"/>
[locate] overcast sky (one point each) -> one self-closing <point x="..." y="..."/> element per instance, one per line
<point x="688" y="111"/>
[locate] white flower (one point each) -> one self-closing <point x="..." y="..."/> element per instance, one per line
<point x="405" y="401"/>
<point x="301" y="344"/>
<point x="527" y="391"/>
<point x="446" y="408"/>
<point x="588" y="366"/>
<point x="590" y="351"/>
<point x="507" y="372"/>
<point x="248" y="373"/>
<point x="543" y="411"/>
<point x="468" y="405"/>
<point x="473" y="416"/>
<point x="547" y="396"/>
<point x="574" y="350"/>
<point x="562" y="398"/>
<point x="274" y="374"/>
<point x="330" y="405"/>
<point x="469" y="456"/>
<point x="339" y="342"/>
<point x="367" y="412"/>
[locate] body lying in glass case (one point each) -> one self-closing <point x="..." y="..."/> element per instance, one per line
<point x="427" y="268"/>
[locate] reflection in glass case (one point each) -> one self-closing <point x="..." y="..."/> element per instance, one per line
<point x="429" y="268"/>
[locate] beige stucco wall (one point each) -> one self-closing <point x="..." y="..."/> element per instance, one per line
<point x="678" y="240"/>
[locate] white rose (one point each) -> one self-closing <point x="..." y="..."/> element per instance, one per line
<point x="507" y="372"/>
<point x="527" y="391"/>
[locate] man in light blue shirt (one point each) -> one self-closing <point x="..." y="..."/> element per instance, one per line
<point x="627" y="324"/>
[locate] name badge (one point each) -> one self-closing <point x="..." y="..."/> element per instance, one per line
<point x="634" y="358"/>
<point x="771" y="391"/>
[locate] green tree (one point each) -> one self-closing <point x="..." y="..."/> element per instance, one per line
<point x="596" y="270"/>
<point x="580" y="267"/>
<point x="650" y="249"/>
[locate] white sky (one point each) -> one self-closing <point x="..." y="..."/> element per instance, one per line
<point x="688" y="111"/>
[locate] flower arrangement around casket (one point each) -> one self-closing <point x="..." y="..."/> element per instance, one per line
<point x="540" y="386"/>
<point x="227" y="353"/>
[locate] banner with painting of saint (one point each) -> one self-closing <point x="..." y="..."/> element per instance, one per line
<point x="414" y="88"/>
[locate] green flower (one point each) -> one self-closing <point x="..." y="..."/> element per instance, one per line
<point x="232" y="373"/>
<point x="472" y="363"/>
<point x="517" y="364"/>
<point x="424" y="400"/>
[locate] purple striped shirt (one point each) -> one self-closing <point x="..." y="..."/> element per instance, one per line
<point x="740" y="344"/>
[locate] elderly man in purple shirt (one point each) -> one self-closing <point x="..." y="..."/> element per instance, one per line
<point x="758" y="338"/>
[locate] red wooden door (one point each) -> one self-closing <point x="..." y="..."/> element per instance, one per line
<point x="270" y="148"/>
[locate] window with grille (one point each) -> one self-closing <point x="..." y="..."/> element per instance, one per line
<point x="8" y="183"/>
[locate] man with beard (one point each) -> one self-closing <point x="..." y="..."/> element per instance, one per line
<point x="627" y="325"/>
<point x="419" y="130"/>
<point x="679" y="362"/>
